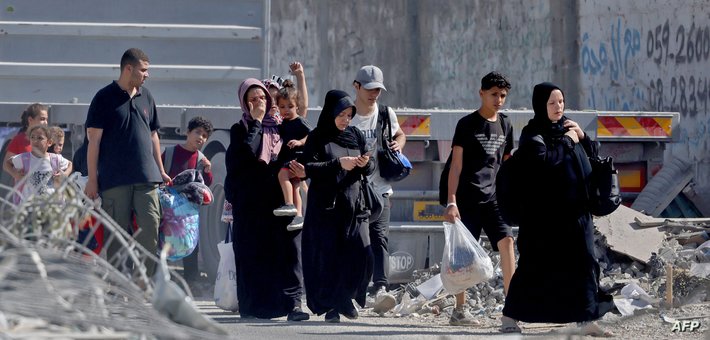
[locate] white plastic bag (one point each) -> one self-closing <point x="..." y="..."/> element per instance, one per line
<point x="464" y="263"/>
<point x="225" y="286"/>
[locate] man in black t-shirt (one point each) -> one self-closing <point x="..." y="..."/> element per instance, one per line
<point x="123" y="155"/>
<point x="479" y="146"/>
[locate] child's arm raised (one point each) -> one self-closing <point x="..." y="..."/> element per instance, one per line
<point x="297" y="70"/>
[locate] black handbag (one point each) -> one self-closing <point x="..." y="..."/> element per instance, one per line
<point x="604" y="194"/>
<point x="391" y="166"/>
<point x="374" y="202"/>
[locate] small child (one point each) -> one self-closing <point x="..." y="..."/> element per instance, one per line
<point x="43" y="168"/>
<point x="181" y="157"/>
<point x="294" y="131"/>
<point x="57" y="136"/>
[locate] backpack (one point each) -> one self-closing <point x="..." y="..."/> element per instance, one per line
<point x="393" y="166"/>
<point x="53" y="160"/>
<point x="444" y="178"/>
<point x="168" y="163"/>
<point x="509" y="183"/>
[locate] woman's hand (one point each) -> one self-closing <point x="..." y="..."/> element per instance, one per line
<point x="294" y="143"/>
<point x="257" y="112"/>
<point x="574" y="127"/>
<point x="347" y="162"/>
<point x="296" y="169"/>
<point x="362" y="160"/>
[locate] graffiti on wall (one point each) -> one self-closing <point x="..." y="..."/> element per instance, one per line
<point x="658" y="64"/>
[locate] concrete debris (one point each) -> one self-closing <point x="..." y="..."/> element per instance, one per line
<point x="623" y="234"/>
<point x="632" y="255"/>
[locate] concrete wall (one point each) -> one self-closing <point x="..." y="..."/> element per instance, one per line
<point x="433" y="53"/>
<point x="604" y="53"/>
<point x="641" y="55"/>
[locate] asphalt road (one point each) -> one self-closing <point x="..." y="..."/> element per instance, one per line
<point x="367" y="326"/>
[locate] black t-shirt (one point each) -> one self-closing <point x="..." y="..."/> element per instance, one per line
<point x="126" y="149"/>
<point x="290" y="130"/>
<point x="484" y="143"/>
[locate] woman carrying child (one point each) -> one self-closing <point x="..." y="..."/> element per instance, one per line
<point x="266" y="254"/>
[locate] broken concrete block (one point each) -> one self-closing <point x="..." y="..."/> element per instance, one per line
<point x="625" y="236"/>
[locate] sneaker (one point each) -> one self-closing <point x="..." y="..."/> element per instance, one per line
<point x="332" y="316"/>
<point x="384" y="301"/>
<point x="297" y="314"/>
<point x="460" y="317"/>
<point x="296" y="224"/>
<point x="285" y="210"/>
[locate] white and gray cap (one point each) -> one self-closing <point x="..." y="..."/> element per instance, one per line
<point x="370" y="77"/>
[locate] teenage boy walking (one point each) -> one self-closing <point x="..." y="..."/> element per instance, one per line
<point x="368" y="84"/>
<point x="479" y="146"/>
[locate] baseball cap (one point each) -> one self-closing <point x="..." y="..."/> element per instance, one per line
<point x="370" y="77"/>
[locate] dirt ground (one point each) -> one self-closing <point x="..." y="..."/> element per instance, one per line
<point x="679" y="323"/>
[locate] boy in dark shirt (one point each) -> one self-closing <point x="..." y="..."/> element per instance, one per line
<point x="294" y="131"/>
<point x="479" y="146"/>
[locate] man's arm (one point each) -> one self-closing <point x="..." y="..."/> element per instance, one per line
<point x="398" y="140"/>
<point x="157" y="156"/>
<point x="92" y="162"/>
<point x="452" y="210"/>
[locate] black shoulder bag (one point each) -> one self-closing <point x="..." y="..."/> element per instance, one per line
<point x="391" y="167"/>
<point x="603" y="188"/>
<point x="374" y="202"/>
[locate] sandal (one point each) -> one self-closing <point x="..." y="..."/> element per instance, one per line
<point x="509" y="325"/>
<point x="593" y="329"/>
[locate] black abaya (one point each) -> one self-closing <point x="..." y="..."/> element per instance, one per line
<point x="266" y="254"/>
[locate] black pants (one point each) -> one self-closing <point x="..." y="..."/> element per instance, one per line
<point x="379" y="234"/>
<point x="191" y="271"/>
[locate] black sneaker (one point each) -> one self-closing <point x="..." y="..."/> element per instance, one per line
<point x="296" y="224"/>
<point x="297" y="314"/>
<point x="286" y="210"/>
<point x="332" y="316"/>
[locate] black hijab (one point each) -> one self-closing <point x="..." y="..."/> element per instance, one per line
<point x="335" y="102"/>
<point x="541" y="123"/>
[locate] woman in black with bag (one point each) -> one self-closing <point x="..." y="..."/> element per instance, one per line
<point x="337" y="258"/>
<point x="266" y="254"/>
<point x="557" y="279"/>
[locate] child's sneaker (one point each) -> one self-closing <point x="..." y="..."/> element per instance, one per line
<point x="296" y="224"/>
<point x="459" y="317"/>
<point x="286" y="210"/>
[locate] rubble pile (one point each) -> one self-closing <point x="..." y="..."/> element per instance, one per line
<point x="634" y="252"/>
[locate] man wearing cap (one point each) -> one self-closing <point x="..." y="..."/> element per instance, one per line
<point x="368" y="84"/>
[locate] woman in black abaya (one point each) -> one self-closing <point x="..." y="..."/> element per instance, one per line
<point x="557" y="279"/>
<point x="266" y="254"/>
<point x="337" y="259"/>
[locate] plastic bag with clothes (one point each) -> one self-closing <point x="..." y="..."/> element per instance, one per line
<point x="180" y="225"/>
<point x="464" y="263"/>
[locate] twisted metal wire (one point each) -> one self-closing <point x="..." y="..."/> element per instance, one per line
<point x="45" y="273"/>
